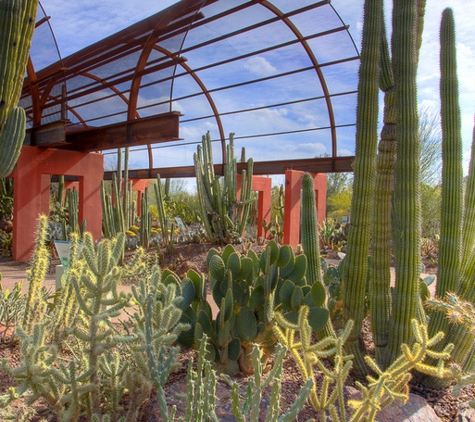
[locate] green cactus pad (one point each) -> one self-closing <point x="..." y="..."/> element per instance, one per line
<point x="234" y="264"/>
<point x="287" y="270"/>
<point x="188" y="294"/>
<point x="285" y="294"/>
<point x="234" y="349"/>
<point x="246" y="324"/>
<point x="247" y="267"/>
<point x="318" y="294"/>
<point x="224" y="334"/>
<point x="300" y="269"/>
<point x="317" y="318"/>
<point x="216" y="266"/>
<point x="218" y="295"/>
<point x="228" y="251"/>
<point x="296" y="299"/>
<point x="272" y="250"/>
<point x="255" y="260"/>
<point x="202" y="319"/>
<point x="241" y="293"/>
<point x="323" y="264"/>
<point x="204" y="307"/>
<point x="199" y="283"/>
<point x="169" y="277"/>
<point x="286" y="256"/>
<point x="331" y="276"/>
<point x="187" y="338"/>
<point x="228" y="305"/>
<point x="257" y="298"/>
<point x="424" y="290"/>
<point x="211" y="253"/>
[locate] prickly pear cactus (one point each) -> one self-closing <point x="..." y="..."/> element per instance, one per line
<point x="247" y="289"/>
<point x="17" y="23"/>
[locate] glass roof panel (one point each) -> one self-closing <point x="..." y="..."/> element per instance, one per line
<point x="277" y="80"/>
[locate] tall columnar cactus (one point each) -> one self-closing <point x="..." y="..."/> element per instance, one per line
<point x="448" y="276"/>
<point x="223" y="215"/>
<point x="168" y="228"/>
<point x="17" y="24"/>
<point x="380" y="282"/>
<point x="310" y="244"/>
<point x="364" y="168"/>
<point x="145" y="221"/>
<point x="406" y="189"/>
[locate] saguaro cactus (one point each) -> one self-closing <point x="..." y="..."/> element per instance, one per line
<point x="17" y="24"/>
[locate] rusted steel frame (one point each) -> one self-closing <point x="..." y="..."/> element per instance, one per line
<point x="316" y="165"/>
<point x="315" y="63"/>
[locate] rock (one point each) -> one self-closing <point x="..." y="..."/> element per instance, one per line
<point x="465" y="413"/>
<point x="416" y="409"/>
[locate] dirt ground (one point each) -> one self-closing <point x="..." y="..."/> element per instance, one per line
<point x="194" y="256"/>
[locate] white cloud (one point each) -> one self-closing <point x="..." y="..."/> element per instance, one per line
<point x="259" y="66"/>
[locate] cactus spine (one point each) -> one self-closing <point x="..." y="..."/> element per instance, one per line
<point x="17" y="24"/>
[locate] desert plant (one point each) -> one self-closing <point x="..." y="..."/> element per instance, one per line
<point x="327" y="397"/>
<point x="223" y="215"/>
<point x="166" y="224"/>
<point x="93" y="377"/>
<point x="255" y="389"/>
<point x="16" y="31"/>
<point x="248" y="289"/>
<point x="12" y="305"/>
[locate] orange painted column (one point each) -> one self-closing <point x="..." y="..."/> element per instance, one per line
<point x="263" y="185"/>
<point x="32" y="190"/>
<point x="139" y="186"/>
<point x="293" y="188"/>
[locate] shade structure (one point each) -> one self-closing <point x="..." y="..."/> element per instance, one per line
<point x="281" y="75"/>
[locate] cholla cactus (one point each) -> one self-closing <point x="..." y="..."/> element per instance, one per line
<point x="256" y="386"/>
<point x="380" y="390"/>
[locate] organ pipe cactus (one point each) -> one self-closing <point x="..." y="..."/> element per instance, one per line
<point x="168" y="228"/>
<point x="364" y="167"/>
<point x="223" y="215"/>
<point x="406" y="189"/>
<point x="17" y="24"/>
<point x="145" y="221"/>
<point x="380" y="282"/>
<point x="449" y="262"/>
<point x="463" y="265"/>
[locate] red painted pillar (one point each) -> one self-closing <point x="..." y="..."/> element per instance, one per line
<point x="31" y="191"/>
<point x="263" y="185"/>
<point x="139" y="186"/>
<point x="293" y="187"/>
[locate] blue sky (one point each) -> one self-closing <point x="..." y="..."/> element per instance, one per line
<point x="78" y="24"/>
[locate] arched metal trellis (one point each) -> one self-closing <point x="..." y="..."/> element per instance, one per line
<point x="280" y="74"/>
